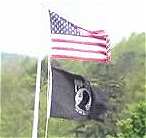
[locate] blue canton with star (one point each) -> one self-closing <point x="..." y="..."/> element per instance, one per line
<point x="60" y="25"/>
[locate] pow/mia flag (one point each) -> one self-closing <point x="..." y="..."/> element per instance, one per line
<point x="73" y="98"/>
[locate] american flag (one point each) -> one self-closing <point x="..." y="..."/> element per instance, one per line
<point x="70" y="41"/>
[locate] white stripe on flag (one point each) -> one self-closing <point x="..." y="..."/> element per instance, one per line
<point x="78" y="46"/>
<point x="78" y="38"/>
<point x="78" y="54"/>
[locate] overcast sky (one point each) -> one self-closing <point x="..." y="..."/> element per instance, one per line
<point x="25" y="24"/>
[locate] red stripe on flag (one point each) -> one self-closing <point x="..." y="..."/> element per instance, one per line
<point x="95" y="36"/>
<point x="78" y="42"/>
<point x="97" y="32"/>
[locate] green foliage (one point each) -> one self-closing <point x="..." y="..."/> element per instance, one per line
<point x="17" y="94"/>
<point x="139" y="120"/>
<point x="135" y="125"/>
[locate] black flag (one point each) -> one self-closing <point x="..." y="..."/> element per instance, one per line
<point x="73" y="98"/>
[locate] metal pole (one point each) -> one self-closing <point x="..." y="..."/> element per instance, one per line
<point x="37" y="96"/>
<point x="49" y="91"/>
<point x="49" y="94"/>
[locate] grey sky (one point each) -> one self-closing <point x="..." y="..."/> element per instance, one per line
<point x="25" y="24"/>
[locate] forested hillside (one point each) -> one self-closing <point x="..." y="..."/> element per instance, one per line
<point x="123" y="81"/>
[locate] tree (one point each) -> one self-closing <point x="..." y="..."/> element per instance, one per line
<point x="135" y="125"/>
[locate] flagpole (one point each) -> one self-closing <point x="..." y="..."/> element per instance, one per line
<point x="49" y="94"/>
<point x="37" y="96"/>
<point x="49" y="89"/>
<point x="50" y="76"/>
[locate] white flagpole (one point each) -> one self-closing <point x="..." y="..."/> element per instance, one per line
<point x="49" y="89"/>
<point x="37" y="97"/>
<point x="49" y="94"/>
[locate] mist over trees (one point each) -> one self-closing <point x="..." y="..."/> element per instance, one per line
<point x="123" y="80"/>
